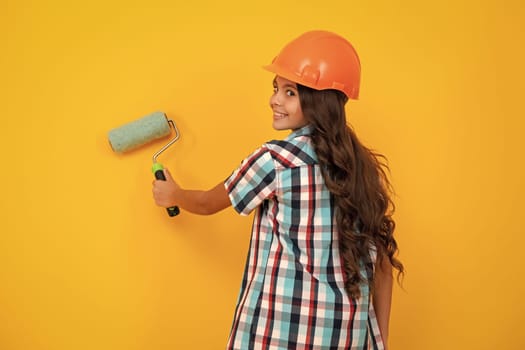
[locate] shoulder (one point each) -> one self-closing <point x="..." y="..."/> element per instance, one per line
<point x="291" y="152"/>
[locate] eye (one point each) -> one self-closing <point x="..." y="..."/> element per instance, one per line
<point x="290" y="92"/>
<point x="274" y="89"/>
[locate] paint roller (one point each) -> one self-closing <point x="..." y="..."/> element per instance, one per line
<point x="141" y="131"/>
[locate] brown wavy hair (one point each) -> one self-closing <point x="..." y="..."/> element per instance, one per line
<point x="357" y="179"/>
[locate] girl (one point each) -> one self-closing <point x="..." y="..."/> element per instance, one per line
<point x="319" y="270"/>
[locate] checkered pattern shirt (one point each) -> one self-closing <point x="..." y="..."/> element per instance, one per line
<point x="292" y="294"/>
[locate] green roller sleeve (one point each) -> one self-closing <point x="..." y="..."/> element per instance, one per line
<point x="137" y="133"/>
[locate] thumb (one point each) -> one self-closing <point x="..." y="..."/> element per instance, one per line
<point x="167" y="174"/>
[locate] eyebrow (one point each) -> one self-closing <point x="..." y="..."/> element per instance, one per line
<point x="287" y="85"/>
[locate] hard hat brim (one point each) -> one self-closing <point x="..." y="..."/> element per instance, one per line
<point x="287" y="75"/>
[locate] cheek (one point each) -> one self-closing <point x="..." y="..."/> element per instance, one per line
<point x="299" y="111"/>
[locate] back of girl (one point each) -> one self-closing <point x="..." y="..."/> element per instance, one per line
<point x="319" y="268"/>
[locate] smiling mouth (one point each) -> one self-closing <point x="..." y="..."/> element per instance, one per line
<point x="277" y="115"/>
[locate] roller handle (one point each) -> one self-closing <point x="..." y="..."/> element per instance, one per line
<point x="159" y="175"/>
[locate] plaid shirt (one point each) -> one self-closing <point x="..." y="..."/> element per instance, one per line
<point x="292" y="295"/>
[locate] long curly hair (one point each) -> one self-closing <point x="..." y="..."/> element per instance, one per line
<point x="357" y="180"/>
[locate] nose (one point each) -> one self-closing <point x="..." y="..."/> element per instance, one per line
<point x="274" y="100"/>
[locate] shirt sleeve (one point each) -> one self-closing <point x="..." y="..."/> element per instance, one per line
<point x="252" y="182"/>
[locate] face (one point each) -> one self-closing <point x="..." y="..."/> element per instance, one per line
<point x="285" y="104"/>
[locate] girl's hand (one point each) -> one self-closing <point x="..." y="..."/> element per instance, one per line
<point x="168" y="194"/>
<point x="165" y="193"/>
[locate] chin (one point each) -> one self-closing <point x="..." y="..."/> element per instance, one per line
<point x="280" y="127"/>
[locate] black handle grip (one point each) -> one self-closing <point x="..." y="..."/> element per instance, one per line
<point x="172" y="211"/>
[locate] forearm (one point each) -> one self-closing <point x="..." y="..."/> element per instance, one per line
<point x="203" y="202"/>
<point x="193" y="201"/>
<point x="382" y="298"/>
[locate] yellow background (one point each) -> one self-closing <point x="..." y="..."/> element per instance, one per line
<point x="88" y="262"/>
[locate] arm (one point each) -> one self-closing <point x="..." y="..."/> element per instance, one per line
<point x="382" y="298"/>
<point x="168" y="193"/>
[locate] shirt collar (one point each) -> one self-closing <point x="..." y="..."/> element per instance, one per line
<point x="305" y="130"/>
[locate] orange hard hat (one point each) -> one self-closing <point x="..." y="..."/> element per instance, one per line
<point x="320" y="60"/>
